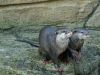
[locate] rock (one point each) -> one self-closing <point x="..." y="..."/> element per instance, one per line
<point x="38" y="14"/>
<point x="65" y="11"/>
<point x="94" y="21"/>
<point x="6" y="2"/>
<point x="86" y="7"/>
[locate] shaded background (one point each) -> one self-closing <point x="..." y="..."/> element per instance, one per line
<point x="27" y="17"/>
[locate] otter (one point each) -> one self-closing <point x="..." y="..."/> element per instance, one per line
<point x="53" y="42"/>
<point x="75" y="44"/>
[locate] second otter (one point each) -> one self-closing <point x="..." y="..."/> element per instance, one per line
<point x="75" y="44"/>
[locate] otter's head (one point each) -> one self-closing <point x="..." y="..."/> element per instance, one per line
<point x="78" y="38"/>
<point x="64" y="33"/>
<point x="81" y="33"/>
<point x="62" y="37"/>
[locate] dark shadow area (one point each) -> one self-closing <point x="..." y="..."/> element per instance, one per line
<point x="30" y="3"/>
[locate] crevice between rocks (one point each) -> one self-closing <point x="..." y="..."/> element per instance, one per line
<point x="23" y="4"/>
<point x="7" y="29"/>
<point x="90" y="15"/>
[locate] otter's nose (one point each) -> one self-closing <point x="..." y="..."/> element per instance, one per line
<point x="69" y="34"/>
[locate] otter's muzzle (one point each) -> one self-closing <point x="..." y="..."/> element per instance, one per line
<point x="69" y="34"/>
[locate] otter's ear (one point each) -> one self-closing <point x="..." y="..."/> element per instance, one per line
<point x="74" y="31"/>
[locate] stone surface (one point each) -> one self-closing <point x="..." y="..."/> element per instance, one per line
<point x="94" y="21"/>
<point x="38" y="14"/>
<point x="19" y="58"/>
<point x="86" y="7"/>
<point x="6" y="2"/>
<point x="65" y="11"/>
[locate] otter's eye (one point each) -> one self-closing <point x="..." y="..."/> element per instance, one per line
<point x="74" y="31"/>
<point x="56" y="33"/>
<point x="82" y="32"/>
<point x="64" y="31"/>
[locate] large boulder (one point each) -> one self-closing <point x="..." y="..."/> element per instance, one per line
<point x="49" y="12"/>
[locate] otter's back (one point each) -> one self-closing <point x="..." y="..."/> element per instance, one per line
<point x="44" y="35"/>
